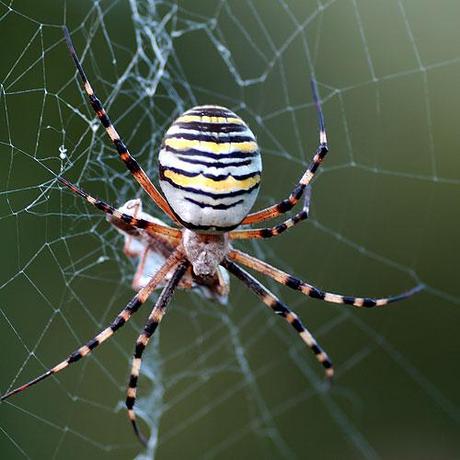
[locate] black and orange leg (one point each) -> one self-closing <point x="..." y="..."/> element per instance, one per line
<point x="150" y="326"/>
<point x="130" y="162"/>
<point x="133" y="306"/>
<point x="149" y="227"/>
<point x="287" y="204"/>
<point x="282" y="310"/>
<point x="311" y="291"/>
<point x="259" y="233"/>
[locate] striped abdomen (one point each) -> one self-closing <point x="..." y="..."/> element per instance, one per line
<point x="210" y="168"/>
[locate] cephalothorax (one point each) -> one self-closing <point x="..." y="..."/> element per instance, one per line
<point x="210" y="173"/>
<point x="205" y="251"/>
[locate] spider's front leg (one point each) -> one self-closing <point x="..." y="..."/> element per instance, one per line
<point x="125" y="156"/>
<point x="296" y="194"/>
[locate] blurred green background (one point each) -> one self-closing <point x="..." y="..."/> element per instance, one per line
<point x="234" y="381"/>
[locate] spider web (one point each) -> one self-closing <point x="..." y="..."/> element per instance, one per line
<point x="234" y="381"/>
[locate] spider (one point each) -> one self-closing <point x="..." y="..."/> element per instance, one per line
<point x="210" y="170"/>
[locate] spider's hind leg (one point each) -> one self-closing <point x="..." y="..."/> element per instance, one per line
<point x="282" y="310"/>
<point x="121" y="319"/>
<point x="150" y="326"/>
<point x="311" y="291"/>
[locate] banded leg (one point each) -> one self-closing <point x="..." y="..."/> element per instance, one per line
<point x="130" y="162"/>
<point x="149" y="227"/>
<point x="288" y="203"/>
<point x="150" y="326"/>
<point x="133" y="306"/>
<point x="282" y="310"/>
<point x="258" y="233"/>
<point x="311" y="291"/>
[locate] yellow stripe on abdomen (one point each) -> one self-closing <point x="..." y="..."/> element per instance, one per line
<point x="198" y="182"/>
<point x="207" y="119"/>
<point x="211" y="147"/>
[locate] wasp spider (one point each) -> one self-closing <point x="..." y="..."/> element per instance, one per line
<point x="210" y="170"/>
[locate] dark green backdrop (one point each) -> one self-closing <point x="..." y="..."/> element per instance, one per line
<point x="235" y="382"/>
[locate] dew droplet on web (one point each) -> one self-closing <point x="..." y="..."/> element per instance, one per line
<point x="62" y="152"/>
<point x="94" y="126"/>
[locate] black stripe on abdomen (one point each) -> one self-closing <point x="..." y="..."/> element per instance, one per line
<point x="213" y="164"/>
<point x="210" y="127"/>
<point x="214" y="156"/>
<point x="209" y="137"/>
<point x="220" y="206"/>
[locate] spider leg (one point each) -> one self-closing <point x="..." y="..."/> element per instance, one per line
<point x="149" y="227"/>
<point x="258" y="233"/>
<point x="132" y="307"/>
<point x="282" y="310"/>
<point x="130" y="162"/>
<point x="288" y="203"/>
<point x="311" y="291"/>
<point x="150" y="326"/>
<point x="136" y="284"/>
